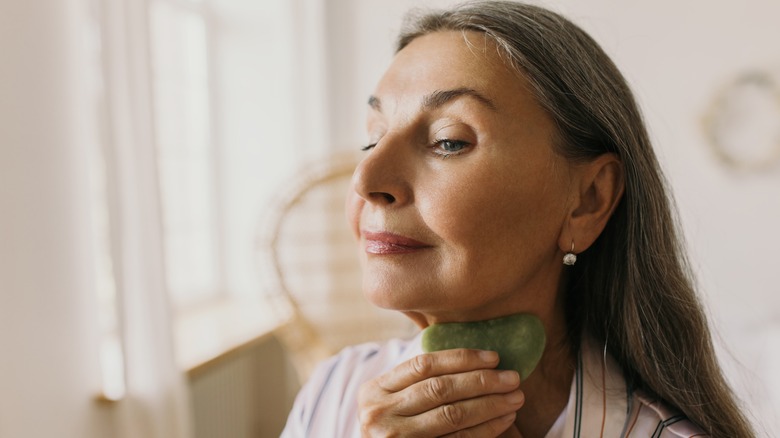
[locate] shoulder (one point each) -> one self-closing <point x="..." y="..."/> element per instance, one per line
<point x="653" y="418"/>
<point x="327" y="403"/>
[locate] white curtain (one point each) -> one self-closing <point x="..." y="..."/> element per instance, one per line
<point x="156" y="403"/>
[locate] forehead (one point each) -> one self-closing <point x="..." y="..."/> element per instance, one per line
<point x="450" y="60"/>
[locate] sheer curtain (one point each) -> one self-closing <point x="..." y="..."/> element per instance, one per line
<point x="155" y="404"/>
<point x="240" y="113"/>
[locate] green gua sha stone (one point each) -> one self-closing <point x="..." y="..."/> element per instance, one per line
<point x="518" y="339"/>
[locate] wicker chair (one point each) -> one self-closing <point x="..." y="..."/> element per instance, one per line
<point x="313" y="272"/>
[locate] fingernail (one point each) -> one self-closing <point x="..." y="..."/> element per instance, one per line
<point x="509" y="377"/>
<point x="488" y="356"/>
<point x="515" y="397"/>
<point x="508" y="418"/>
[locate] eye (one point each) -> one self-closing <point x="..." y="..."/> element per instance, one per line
<point x="368" y="147"/>
<point x="446" y="147"/>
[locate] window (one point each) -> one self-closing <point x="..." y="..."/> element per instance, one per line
<point x="187" y="155"/>
<point x="202" y="97"/>
<point x="223" y="109"/>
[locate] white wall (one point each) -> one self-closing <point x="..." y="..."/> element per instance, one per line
<point x="48" y="361"/>
<point x="675" y="55"/>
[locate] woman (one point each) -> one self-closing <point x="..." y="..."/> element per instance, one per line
<point x="503" y="140"/>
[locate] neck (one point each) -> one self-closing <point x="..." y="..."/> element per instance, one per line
<point x="547" y="388"/>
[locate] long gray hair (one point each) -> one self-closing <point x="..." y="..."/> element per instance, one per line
<point x="632" y="289"/>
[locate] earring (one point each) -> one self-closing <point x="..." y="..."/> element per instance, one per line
<point x="569" y="259"/>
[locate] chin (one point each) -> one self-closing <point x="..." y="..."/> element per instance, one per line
<point x="386" y="301"/>
<point x="391" y="298"/>
<point x="383" y="299"/>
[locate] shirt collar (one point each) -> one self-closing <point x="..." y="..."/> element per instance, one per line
<point x="599" y="400"/>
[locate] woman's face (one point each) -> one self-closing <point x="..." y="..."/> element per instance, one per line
<point x="459" y="204"/>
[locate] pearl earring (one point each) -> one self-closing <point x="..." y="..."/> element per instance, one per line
<point x="569" y="259"/>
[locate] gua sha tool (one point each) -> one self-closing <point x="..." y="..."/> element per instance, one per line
<point x="518" y="339"/>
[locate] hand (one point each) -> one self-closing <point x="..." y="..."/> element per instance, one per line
<point x="454" y="393"/>
<point x="512" y="432"/>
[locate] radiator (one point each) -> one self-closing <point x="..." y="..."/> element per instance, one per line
<point x="245" y="394"/>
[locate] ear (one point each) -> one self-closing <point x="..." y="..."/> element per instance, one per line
<point x="598" y="188"/>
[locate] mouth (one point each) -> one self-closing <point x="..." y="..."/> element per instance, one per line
<point x="385" y="243"/>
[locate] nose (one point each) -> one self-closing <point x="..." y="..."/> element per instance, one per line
<point x="383" y="176"/>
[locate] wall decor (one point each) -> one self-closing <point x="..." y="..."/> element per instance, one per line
<point x="742" y="124"/>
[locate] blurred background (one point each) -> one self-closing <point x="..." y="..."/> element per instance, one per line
<point x="149" y="151"/>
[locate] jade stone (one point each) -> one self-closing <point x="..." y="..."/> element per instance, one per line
<point x="518" y="339"/>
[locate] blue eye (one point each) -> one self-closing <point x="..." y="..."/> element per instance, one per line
<point x="446" y="147"/>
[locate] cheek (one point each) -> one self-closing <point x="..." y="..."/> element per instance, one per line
<point x="463" y="214"/>
<point x="495" y="212"/>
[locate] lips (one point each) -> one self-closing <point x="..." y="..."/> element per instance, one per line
<point x="385" y="243"/>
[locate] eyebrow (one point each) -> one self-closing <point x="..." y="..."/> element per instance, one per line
<point x="439" y="98"/>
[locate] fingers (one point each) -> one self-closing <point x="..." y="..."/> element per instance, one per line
<point x="479" y="417"/>
<point x="501" y="426"/>
<point x="467" y="414"/>
<point x="440" y="390"/>
<point x="440" y="363"/>
<point x="441" y="393"/>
